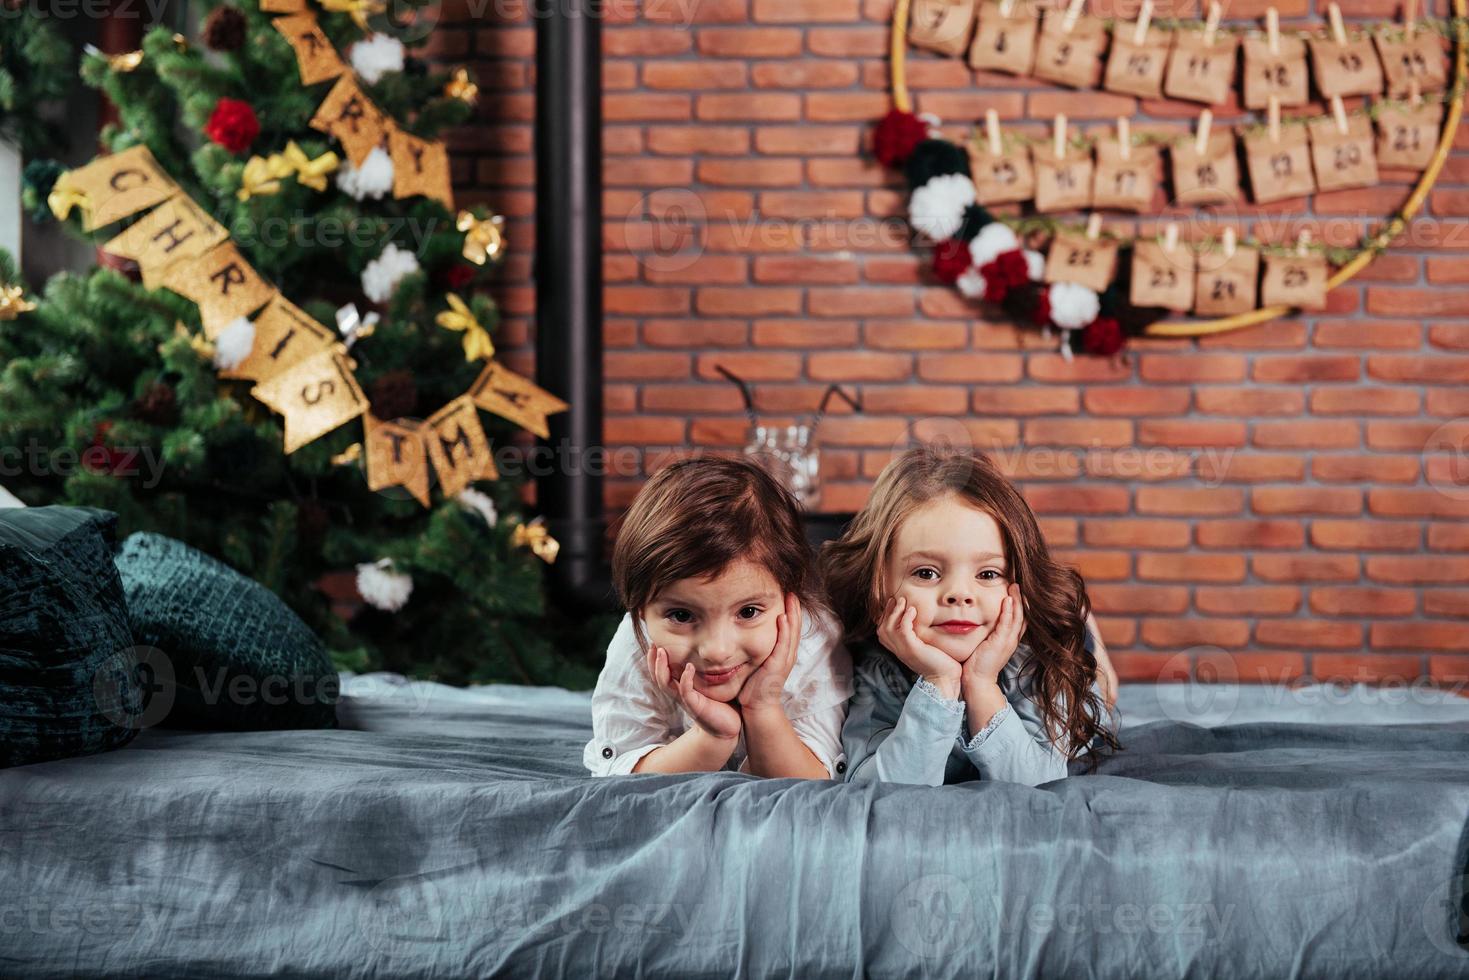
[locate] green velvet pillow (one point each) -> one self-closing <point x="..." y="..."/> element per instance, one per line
<point x="68" y="684"/>
<point x="231" y="653"/>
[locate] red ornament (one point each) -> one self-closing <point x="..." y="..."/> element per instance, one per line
<point x="897" y="136"/>
<point x="1103" y="337"/>
<point x="950" y="259"/>
<point x="100" y="457"/>
<point x="458" y="276"/>
<point x="1008" y="271"/>
<point x="233" y="125"/>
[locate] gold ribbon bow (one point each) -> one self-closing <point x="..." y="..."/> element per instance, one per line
<point x="64" y="196"/>
<point x="311" y="173"/>
<point x="262" y="176"/>
<point x="483" y="240"/>
<point x="534" y="534"/>
<point x="13" y="302"/>
<point x="126" y="62"/>
<point x="359" y="10"/>
<point x="477" y="344"/>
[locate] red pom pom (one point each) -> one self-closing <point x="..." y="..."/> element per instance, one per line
<point x="1011" y="266"/>
<point x="233" y="125"/>
<point x="996" y="286"/>
<point x="897" y="136"/>
<point x="1103" y="336"/>
<point x="458" y="276"/>
<point x="950" y="259"/>
<point x="1041" y="315"/>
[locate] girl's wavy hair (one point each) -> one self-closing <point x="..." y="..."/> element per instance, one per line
<point x="696" y="516"/>
<point x="1060" y="671"/>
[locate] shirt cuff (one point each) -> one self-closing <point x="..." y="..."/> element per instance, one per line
<point x="610" y="762"/>
<point x="952" y="706"/>
<point x="983" y="734"/>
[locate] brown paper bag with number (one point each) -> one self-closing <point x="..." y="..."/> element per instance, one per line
<point x="1419" y="58"/>
<point x="1091" y="262"/>
<point x="1226" y="285"/>
<point x="1343" y="160"/>
<point x="1345" y="69"/>
<point x="1126" y="185"/>
<point x="1072" y="57"/>
<point x="1002" y="179"/>
<point x="1162" y="277"/>
<point x="1064" y="184"/>
<point x="941" y="25"/>
<point x="1407" y="136"/>
<point x="1137" y="69"/>
<point x="1005" y="43"/>
<point x="1279" y="169"/>
<point x="1282" y="75"/>
<point x="1210" y="177"/>
<point x="1200" y="72"/>
<point x="1295" y="280"/>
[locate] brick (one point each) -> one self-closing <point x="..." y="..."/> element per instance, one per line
<point x="807" y="11"/>
<point x="722" y="397"/>
<point x="1305" y="568"/>
<point x="1169" y="567"/>
<point x="1310" y="633"/>
<point x="686" y="140"/>
<point x="1366" y="668"/>
<point x="696" y="333"/>
<point x="1407" y="502"/>
<point x="1188" y="501"/>
<point x="747" y="42"/>
<point x="1078" y="432"/>
<point x="1250" y="402"/>
<point x="1175" y="632"/>
<point x="1439" y="570"/>
<point x="643" y="431"/>
<point x="1192" y="367"/>
<point x="1190" y="432"/>
<point x="859" y="302"/>
<point x="755" y="107"/>
<point x="1076" y="499"/>
<point x="1396" y="301"/>
<point x="1429" y="369"/>
<point x="685" y="75"/>
<point x="1313" y="434"/>
<point x="1365" y="401"/>
<point x="1306" y="500"/>
<point x="1348" y="601"/>
<point x="800" y="269"/>
<point x="1365" y="536"/>
<point x="804" y="74"/>
<point x="751" y="365"/>
<point x="1250" y="534"/>
<point x="1249" y="668"/>
<point x="973" y="368"/>
<point x="1448" y="537"/>
<point x="1160" y="599"/>
<point x="1307" y="367"/>
<point x="774" y="172"/>
<point x="1233" y="467"/>
<point x="1367" y="333"/>
<point x="1012" y="401"/>
<point x="916" y="335"/>
<point x="1128" y="533"/>
<point x="1137" y="401"/>
<point x="634" y="365"/>
<point x="915" y="400"/>
<point x="747" y="301"/>
<point x="1239" y="600"/>
<point x="805" y="334"/>
<point x="859" y="366"/>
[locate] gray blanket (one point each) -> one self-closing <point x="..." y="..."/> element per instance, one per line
<point x="454" y="833"/>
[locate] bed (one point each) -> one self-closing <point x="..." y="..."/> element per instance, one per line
<point x="443" y="832"/>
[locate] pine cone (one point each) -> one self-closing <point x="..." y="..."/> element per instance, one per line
<point x="394" y="395"/>
<point x="158" y="406"/>
<point x="225" y="30"/>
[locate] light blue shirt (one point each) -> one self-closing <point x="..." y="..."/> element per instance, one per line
<point x="902" y="731"/>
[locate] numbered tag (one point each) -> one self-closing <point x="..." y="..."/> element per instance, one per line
<point x="1407" y="136"/>
<point x="1343" y="160"/>
<point x="1003" y="179"/>
<point x="1201" y="72"/>
<point x="1064" y="184"/>
<point x="1137" y="69"/>
<point x="1161" y="277"/>
<point x="1092" y="262"/>
<point x="1072" y="57"/>
<point x="1005" y="43"/>
<point x="1295" y="280"/>
<point x="1226" y="286"/>
<point x="1279" y="169"/>
<point x="1282" y="75"/>
<point x="1420" y="58"/>
<point x="1345" y="69"/>
<point x="941" y="25"/>
<point x="1210" y="177"/>
<point x="1126" y="185"/>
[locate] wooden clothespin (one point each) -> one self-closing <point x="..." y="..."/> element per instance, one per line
<point x="1272" y="29"/>
<point x="1170" y="237"/>
<point x="1415" y="93"/>
<point x="1338" y="29"/>
<point x="1229" y="243"/>
<point x="1073" y="13"/>
<point x="1409" y="18"/>
<point x="1206" y="119"/>
<point x="1094" y="226"/>
<point x="1144" y="17"/>
<point x="1211" y="26"/>
<point x="1124" y="138"/>
<point x="1274" y="118"/>
<point x="1339" y="112"/>
<point x="1303" y="241"/>
<point x="1060" y="142"/>
<point x="992" y="131"/>
<point x="1006" y="6"/>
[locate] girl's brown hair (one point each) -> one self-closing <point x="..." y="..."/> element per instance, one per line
<point x="696" y="516"/>
<point x="1061" y="670"/>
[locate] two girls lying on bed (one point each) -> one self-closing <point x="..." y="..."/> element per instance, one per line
<point x="985" y="660"/>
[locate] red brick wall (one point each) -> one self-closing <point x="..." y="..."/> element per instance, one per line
<point x="1265" y="491"/>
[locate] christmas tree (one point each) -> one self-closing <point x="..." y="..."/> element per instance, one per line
<point x="282" y="176"/>
<point x="35" y="75"/>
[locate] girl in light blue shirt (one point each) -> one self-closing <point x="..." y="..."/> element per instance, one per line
<point x="974" y="655"/>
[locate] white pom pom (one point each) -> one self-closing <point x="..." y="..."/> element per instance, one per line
<point x="1073" y="305"/>
<point x="971" y="283"/>
<point x="1035" y="265"/>
<point x="1066" y="354"/>
<point x="993" y="238"/>
<point x="937" y="208"/>
<point x="373" y="179"/>
<point x="234" y="344"/>
<point x="382" y="275"/>
<point x="381" y="587"/>
<point x="376" y="56"/>
<point x="480" y="503"/>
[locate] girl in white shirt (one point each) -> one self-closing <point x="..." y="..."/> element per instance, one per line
<point x="728" y="657"/>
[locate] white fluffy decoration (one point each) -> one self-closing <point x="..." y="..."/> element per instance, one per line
<point x="376" y="56"/>
<point x="1066" y="353"/>
<point x="381" y="587"/>
<point x="382" y="275"/>
<point x="1035" y="265"/>
<point x="971" y="283"/>
<point x="993" y="238"/>
<point x="479" y="502"/>
<point x="373" y="179"/>
<point x="234" y="344"/>
<point x="937" y="208"/>
<point x="1073" y="305"/>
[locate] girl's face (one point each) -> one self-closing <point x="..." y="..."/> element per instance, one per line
<point x="948" y="560"/>
<point x="724" y="626"/>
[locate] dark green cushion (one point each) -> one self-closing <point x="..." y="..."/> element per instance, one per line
<point x="238" y="657"/>
<point x="67" y="680"/>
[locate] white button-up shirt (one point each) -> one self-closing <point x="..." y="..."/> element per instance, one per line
<point x="631" y="716"/>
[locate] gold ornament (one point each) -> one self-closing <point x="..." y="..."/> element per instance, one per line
<point x="534" y="534"/>
<point x="484" y="241"/>
<point x="477" y="343"/>
<point x="358" y="10"/>
<point x="126" y="62"/>
<point x="309" y="172"/>
<point x="262" y="175"/>
<point x="64" y="196"/>
<point x="462" y="87"/>
<point x="180" y="43"/>
<point x="349" y="455"/>
<point x="13" y="302"/>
